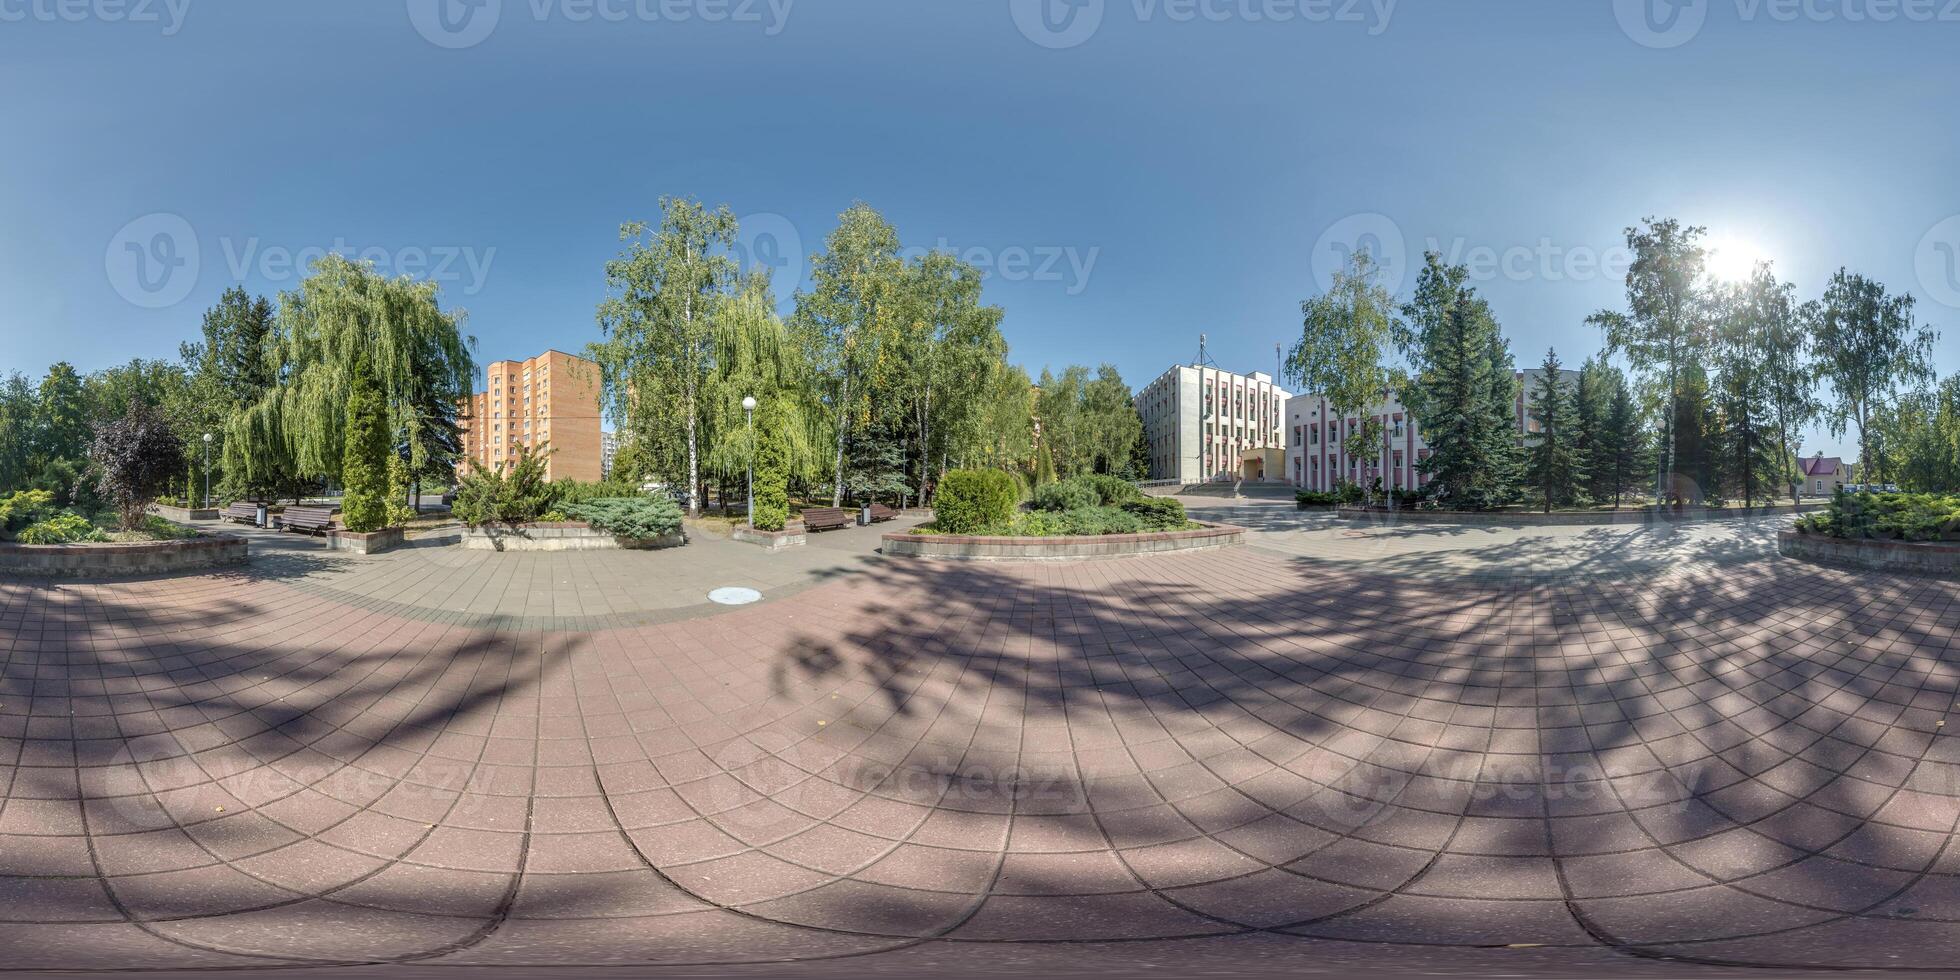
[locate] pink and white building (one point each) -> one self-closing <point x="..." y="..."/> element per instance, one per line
<point x="1315" y="436"/>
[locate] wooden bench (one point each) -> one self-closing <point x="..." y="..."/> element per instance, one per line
<point x="827" y="518"/>
<point x="880" y="513"/>
<point x="312" y="520"/>
<point x="243" y="511"/>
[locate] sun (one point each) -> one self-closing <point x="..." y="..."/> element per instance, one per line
<point x="1733" y="260"/>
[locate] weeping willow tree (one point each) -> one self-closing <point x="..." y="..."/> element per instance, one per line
<point x="347" y="322"/>
<point x="756" y="358"/>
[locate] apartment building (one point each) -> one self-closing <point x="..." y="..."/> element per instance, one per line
<point x="608" y="449"/>
<point x="1316" y="458"/>
<point x="1202" y="423"/>
<point x="553" y="399"/>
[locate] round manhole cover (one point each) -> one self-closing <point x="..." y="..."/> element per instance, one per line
<point x="735" y="597"/>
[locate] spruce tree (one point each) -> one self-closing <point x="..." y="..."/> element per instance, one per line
<point x="1624" y="458"/>
<point x="1554" y="465"/>
<point x="1450" y="339"/>
<point x="1592" y="398"/>
<point x="1506" y="446"/>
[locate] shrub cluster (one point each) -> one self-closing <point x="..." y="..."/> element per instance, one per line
<point x="629" y="517"/>
<point x="63" y="528"/>
<point x="1090" y="490"/>
<point x="1901" y="516"/>
<point x="1158" y="513"/>
<point x="31" y="517"/>
<point x="971" y="501"/>
<point x="518" y="495"/>
<point x="1316" y="498"/>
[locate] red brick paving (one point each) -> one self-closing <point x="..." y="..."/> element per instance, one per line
<point x="1740" y="765"/>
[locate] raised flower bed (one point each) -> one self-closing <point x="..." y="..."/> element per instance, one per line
<point x="116" y="559"/>
<point x="913" y="544"/>
<point x="561" y="536"/>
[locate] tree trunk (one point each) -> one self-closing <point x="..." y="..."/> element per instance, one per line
<point x="843" y="428"/>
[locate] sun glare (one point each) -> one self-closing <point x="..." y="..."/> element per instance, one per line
<point x="1733" y="259"/>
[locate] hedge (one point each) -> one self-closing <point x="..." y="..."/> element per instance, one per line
<point x="971" y="501"/>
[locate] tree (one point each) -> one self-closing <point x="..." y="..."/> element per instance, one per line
<point x="1448" y="339"/>
<point x="1555" y="468"/>
<point x="345" y="320"/>
<point x="948" y="345"/>
<point x="1624" y="444"/>
<point x="364" y="464"/>
<point x="1743" y="325"/>
<point x="848" y="315"/>
<point x="1592" y="399"/>
<point x="1920" y="436"/>
<point x="62" y="416"/>
<point x="1784" y="365"/>
<point x="18" y="425"/>
<point x="658" y="321"/>
<point x="1347" y="335"/>
<point x="1868" y="348"/>
<point x="756" y="358"/>
<point x="1665" y="328"/>
<point x="135" y="459"/>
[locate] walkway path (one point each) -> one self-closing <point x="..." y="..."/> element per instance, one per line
<point x="1599" y="751"/>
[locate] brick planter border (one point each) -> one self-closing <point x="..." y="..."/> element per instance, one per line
<point x="123" y="558"/>
<point x="185" y="515"/>
<point x="368" y="543"/>
<point x="1923" y="557"/>
<point x="1061" y="548"/>
<point x="1555" y="519"/>
<point x="565" y="536"/>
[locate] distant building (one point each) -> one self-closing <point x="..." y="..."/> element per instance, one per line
<point x="608" y="448"/>
<point x="1203" y="424"/>
<point x="1316" y="437"/>
<point x="553" y="399"/>
<point x="1823" y="475"/>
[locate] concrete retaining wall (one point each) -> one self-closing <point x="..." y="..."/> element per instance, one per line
<point x="1061" y="549"/>
<point x="789" y="537"/>
<point x="184" y="515"/>
<point x="1527" y="519"/>
<point x="559" y="537"/>
<point x="1926" y="557"/>
<point x="117" y="560"/>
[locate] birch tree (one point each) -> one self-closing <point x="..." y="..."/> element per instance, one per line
<point x="847" y="315"/>
<point x="1346" y="338"/>
<point x="1868" y="347"/>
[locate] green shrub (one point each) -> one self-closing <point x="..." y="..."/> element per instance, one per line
<point x="23" y="508"/>
<point x="1070" y="494"/>
<point x="364" y="460"/>
<point x="1315" y="498"/>
<point x="1112" y="491"/>
<point x="970" y="501"/>
<point x="1088" y="521"/>
<point x="630" y="517"/>
<point x="135" y="459"/>
<point x="1902" y="516"/>
<point x="581" y="492"/>
<point x="1158" y="513"/>
<point x="64" y="528"/>
<point x="518" y="495"/>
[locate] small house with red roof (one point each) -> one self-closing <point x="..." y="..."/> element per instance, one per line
<point x="1822" y="475"/>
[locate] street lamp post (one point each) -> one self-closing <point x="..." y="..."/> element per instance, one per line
<point x="748" y="409"/>
<point x="207" y="471"/>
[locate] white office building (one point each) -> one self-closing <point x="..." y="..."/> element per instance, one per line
<point x="608" y="448"/>
<point x="1315" y="439"/>
<point x="1204" y="424"/>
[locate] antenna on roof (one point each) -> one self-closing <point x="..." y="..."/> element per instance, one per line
<point x="1203" y="358"/>
<point x="1279" y="365"/>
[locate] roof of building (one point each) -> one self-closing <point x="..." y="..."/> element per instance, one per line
<point x="1820" y="465"/>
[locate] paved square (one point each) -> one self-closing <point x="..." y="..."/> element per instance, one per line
<point x="1499" y="750"/>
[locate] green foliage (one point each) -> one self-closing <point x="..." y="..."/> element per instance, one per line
<point x="579" y="492"/>
<point x="135" y="459"/>
<point x="972" y="500"/>
<point x="1088" y="425"/>
<point x="1316" y="498"/>
<point x="1069" y="494"/>
<point x="1900" y="516"/>
<point x="22" y="508"/>
<point x="62" y="528"/>
<point x="629" y="517"/>
<point x="1868" y="347"/>
<point x="518" y="494"/>
<point x="364" y="462"/>
<point x="1347" y="335"/>
<point x="1157" y="513"/>
<point x="1461" y="394"/>
<point x="1555" y="467"/>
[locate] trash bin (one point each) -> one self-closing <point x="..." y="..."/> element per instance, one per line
<point x="260" y="520"/>
<point x="864" y="516"/>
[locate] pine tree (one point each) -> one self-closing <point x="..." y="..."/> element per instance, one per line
<point x="1506" y="450"/>
<point x="364" y="463"/>
<point x="1449" y="343"/>
<point x="1553" y="459"/>
<point x="1592" y="398"/>
<point x="1625" y="452"/>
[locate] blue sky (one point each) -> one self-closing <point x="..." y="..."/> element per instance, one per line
<point x="1134" y="171"/>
